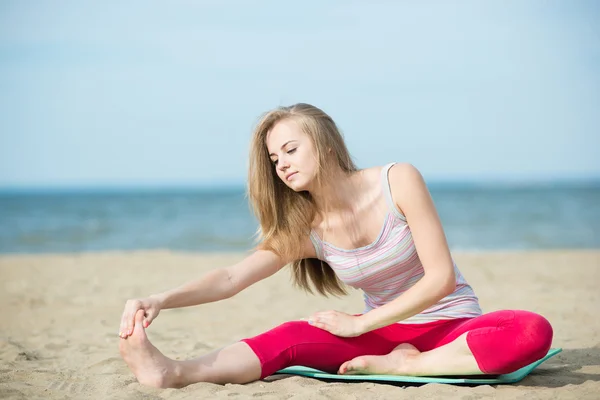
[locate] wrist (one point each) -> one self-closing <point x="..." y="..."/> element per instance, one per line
<point x="160" y="299"/>
<point x="363" y="323"/>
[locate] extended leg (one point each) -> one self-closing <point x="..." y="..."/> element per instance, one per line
<point x="292" y="343"/>
<point x="236" y="363"/>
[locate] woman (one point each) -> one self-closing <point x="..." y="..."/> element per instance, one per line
<point x="323" y="216"/>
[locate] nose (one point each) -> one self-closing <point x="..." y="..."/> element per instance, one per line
<point x="283" y="164"/>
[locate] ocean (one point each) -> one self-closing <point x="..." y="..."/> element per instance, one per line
<point x="220" y="220"/>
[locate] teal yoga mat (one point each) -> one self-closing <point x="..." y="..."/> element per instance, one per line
<point x="471" y="380"/>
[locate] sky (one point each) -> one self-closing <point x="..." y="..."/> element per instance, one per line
<point x="143" y="93"/>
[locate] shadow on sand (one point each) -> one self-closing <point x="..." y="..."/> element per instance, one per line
<point x="561" y="370"/>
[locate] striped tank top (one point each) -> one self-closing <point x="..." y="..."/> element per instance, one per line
<point x="390" y="265"/>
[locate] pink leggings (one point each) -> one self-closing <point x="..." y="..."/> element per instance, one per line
<point x="501" y="341"/>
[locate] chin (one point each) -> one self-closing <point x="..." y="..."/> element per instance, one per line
<point x="297" y="186"/>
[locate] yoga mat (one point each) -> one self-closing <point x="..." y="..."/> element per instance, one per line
<point x="471" y="380"/>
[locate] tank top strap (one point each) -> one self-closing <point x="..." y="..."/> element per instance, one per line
<point x="387" y="192"/>
<point x="316" y="241"/>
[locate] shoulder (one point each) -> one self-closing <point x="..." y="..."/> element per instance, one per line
<point x="406" y="185"/>
<point x="404" y="172"/>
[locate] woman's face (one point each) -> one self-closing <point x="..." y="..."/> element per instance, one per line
<point x="293" y="154"/>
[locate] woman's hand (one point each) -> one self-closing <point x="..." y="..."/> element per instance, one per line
<point x="151" y="307"/>
<point x="338" y="323"/>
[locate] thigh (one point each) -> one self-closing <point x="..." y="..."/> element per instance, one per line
<point x="298" y="343"/>
<point x="484" y="324"/>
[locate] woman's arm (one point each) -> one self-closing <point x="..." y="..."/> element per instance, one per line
<point x="413" y="199"/>
<point x="216" y="285"/>
<point x="411" y="196"/>
<point x="222" y="283"/>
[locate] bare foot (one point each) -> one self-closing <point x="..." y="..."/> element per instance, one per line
<point x="149" y="365"/>
<point x="395" y="363"/>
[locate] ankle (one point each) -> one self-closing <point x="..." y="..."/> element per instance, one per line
<point x="411" y="364"/>
<point x="174" y="376"/>
<point x="168" y="377"/>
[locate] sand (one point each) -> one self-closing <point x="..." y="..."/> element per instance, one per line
<point x="61" y="313"/>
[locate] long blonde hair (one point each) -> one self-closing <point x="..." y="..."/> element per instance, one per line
<point x="285" y="215"/>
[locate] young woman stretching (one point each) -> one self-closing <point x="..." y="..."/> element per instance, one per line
<point x="375" y="229"/>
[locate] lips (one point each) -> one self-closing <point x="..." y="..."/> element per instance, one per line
<point x="288" y="176"/>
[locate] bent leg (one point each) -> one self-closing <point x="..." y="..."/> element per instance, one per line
<point x="455" y="358"/>
<point x="494" y="343"/>
<point x="505" y="341"/>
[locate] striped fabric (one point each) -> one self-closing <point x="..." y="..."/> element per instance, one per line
<point x="390" y="265"/>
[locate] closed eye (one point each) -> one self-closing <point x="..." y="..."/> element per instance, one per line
<point x="291" y="151"/>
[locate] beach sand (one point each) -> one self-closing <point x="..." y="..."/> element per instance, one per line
<point x="61" y="314"/>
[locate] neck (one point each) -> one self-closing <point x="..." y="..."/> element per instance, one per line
<point x="337" y="193"/>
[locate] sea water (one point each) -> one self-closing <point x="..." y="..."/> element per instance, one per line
<point x="218" y="220"/>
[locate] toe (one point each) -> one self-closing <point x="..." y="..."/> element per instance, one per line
<point x="343" y="368"/>
<point x="139" y="317"/>
<point x="139" y="322"/>
<point x="354" y="366"/>
<point x="139" y="332"/>
<point x="352" y="370"/>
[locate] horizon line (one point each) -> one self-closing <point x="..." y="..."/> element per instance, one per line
<point x="588" y="183"/>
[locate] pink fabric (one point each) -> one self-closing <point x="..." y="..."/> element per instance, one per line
<point x="501" y="341"/>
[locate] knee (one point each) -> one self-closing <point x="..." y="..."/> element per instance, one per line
<point x="534" y="332"/>
<point x="532" y="340"/>
<point x="299" y="329"/>
<point x="291" y="326"/>
<point x="522" y="340"/>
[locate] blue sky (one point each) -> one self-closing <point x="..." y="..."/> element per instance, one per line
<point x="156" y="93"/>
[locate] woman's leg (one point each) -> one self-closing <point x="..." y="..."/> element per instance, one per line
<point x="454" y="358"/>
<point x="236" y="363"/>
<point x="298" y="343"/>
<point x="292" y="343"/>
<point x="494" y="343"/>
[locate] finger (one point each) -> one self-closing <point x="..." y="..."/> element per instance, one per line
<point x="324" y="318"/>
<point x="131" y="325"/>
<point x="148" y="318"/>
<point x="123" y="328"/>
<point x="318" y="315"/>
<point x="319" y="322"/>
<point x="122" y="325"/>
<point x="130" y="317"/>
<point x="123" y="331"/>
<point x="321" y="325"/>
